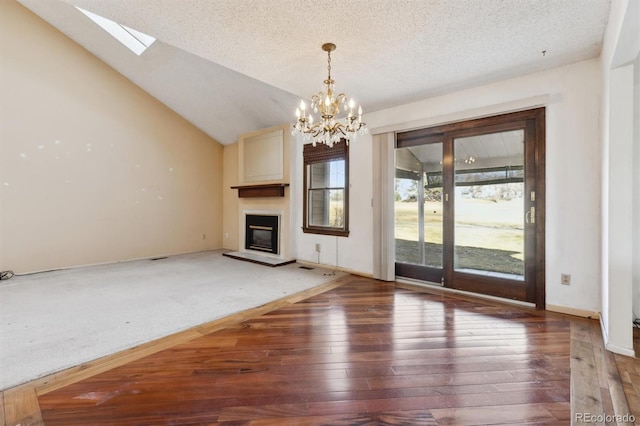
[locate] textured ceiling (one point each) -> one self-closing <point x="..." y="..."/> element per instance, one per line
<point x="235" y="66"/>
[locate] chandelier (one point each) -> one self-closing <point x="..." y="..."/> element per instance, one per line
<point x="330" y="128"/>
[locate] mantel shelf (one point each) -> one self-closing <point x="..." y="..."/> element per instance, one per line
<point x="265" y="190"/>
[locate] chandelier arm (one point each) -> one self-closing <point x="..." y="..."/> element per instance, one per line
<point x="316" y="128"/>
<point x="329" y="128"/>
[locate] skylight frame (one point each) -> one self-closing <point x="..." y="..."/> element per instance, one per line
<point x="134" y="40"/>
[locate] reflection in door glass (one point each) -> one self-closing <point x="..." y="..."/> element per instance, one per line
<point x="418" y="205"/>
<point x="489" y="204"/>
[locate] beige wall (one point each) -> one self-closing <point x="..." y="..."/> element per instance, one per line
<point x="92" y="169"/>
<point x="230" y="200"/>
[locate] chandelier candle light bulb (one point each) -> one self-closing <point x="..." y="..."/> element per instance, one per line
<point x="330" y="129"/>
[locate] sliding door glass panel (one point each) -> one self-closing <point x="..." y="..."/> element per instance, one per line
<point x="418" y="205"/>
<point x="489" y="204"/>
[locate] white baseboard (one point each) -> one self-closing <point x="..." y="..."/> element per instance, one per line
<point x="603" y="330"/>
<point x="110" y="262"/>
<point x="619" y="350"/>
<point x="332" y="267"/>
<point x="573" y="311"/>
<point x="614" y="348"/>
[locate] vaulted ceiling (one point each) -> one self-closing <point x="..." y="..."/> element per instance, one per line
<point x="235" y="66"/>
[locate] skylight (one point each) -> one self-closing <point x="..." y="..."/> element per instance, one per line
<point x="136" y="41"/>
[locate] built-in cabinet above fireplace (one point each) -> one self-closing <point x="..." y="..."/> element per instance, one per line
<point x="262" y="158"/>
<point x="261" y="167"/>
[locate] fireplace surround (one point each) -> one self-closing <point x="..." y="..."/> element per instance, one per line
<point x="262" y="233"/>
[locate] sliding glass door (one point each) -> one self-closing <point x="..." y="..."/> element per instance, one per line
<point x="488" y="205"/>
<point x="419" y="210"/>
<point x="465" y="205"/>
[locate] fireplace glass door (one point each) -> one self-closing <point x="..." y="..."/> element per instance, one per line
<point x="261" y="233"/>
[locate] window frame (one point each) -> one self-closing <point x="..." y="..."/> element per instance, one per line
<point x="322" y="153"/>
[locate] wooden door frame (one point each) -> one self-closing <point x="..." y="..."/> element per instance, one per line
<point x="532" y="121"/>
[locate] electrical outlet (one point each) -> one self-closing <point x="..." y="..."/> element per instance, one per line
<point x="565" y="279"/>
<point x="204" y="236"/>
<point x="226" y="235"/>
<point x="318" y="247"/>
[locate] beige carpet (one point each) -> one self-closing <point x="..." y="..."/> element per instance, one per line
<point x="55" y="320"/>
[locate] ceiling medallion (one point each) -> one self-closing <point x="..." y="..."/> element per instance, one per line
<point x="330" y="128"/>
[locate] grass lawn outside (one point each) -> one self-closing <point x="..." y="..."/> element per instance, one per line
<point x="489" y="235"/>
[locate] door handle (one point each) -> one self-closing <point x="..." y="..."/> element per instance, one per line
<point x="530" y="217"/>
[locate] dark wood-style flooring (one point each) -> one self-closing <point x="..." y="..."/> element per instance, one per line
<point x="360" y="352"/>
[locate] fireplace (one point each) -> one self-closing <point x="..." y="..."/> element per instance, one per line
<point x="262" y="233"/>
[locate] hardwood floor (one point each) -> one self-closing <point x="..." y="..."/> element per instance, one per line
<point x="360" y="352"/>
<point x="629" y="376"/>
